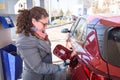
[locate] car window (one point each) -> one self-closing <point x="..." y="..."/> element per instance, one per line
<point x="80" y="31"/>
<point x="112" y="52"/>
<point x="109" y="44"/>
<point x="74" y="26"/>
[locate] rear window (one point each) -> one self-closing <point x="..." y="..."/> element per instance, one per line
<point x="109" y="43"/>
<point x="112" y="46"/>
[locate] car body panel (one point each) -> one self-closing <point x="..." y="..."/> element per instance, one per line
<point x="112" y="21"/>
<point x="89" y="51"/>
<point x="114" y="71"/>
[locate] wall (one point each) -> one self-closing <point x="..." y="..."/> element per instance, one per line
<point x="5" y="37"/>
<point x="9" y="7"/>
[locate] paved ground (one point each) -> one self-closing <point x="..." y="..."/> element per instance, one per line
<point x="57" y="37"/>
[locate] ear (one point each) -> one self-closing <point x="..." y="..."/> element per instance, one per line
<point x="33" y="21"/>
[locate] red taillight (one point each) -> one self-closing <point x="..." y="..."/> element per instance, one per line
<point x="92" y="76"/>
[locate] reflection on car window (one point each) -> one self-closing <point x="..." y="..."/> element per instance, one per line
<point x="80" y="30"/>
<point x="74" y="26"/>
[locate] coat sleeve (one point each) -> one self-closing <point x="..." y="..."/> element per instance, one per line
<point x="30" y="54"/>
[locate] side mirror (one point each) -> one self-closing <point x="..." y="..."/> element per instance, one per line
<point x="65" y="30"/>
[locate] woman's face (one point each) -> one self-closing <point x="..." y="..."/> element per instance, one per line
<point x="41" y="24"/>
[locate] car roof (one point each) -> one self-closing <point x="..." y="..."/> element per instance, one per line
<point x="106" y="20"/>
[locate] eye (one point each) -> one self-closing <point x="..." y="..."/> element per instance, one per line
<point x="44" y="24"/>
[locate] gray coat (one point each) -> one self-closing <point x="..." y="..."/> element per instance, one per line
<point x="36" y="54"/>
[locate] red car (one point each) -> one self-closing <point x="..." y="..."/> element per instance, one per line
<point x="95" y="43"/>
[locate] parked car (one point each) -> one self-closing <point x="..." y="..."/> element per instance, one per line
<point x="95" y="43"/>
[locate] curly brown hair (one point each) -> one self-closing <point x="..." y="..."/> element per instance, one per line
<point x="24" y="19"/>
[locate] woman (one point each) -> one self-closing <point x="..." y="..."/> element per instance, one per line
<point x="34" y="46"/>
